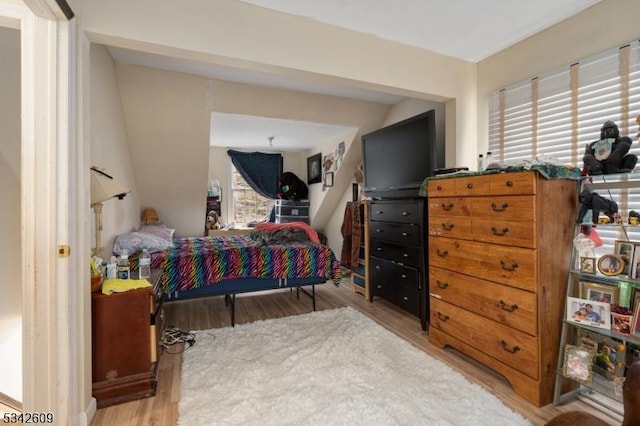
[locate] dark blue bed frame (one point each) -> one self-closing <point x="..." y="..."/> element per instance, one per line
<point x="232" y="286"/>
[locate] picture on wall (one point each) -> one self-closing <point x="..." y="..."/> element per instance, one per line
<point x="314" y="169"/>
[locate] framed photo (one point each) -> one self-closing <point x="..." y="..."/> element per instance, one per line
<point x="610" y="264"/>
<point x="328" y="179"/>
<point x="314" y="169"/>
<point x="635" y="263"/>
<point x="578" y="363"/>
<point x="588" y="265"/>
<point x="635" y="322"/>
<point x="625" y="250"/>
<point x="634" y="300"/>
<point x="604" y="293"/>
<point x="589" y="312"/>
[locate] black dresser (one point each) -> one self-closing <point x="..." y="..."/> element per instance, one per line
<point x="397" y="260"/>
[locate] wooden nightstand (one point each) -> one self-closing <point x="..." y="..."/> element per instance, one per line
<point x="125" y="345"/>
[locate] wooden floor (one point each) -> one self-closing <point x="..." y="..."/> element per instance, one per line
<point x="201" y="314"/>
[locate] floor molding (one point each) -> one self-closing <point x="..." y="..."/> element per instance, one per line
<point x="10" y="402"/>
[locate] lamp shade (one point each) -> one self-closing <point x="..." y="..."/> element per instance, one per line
<point x="103" y="187"/>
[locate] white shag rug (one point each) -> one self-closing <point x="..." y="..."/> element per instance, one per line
<point x="334" y="367"/>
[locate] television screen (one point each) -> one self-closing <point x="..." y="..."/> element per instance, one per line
<point x="398" y="157"/>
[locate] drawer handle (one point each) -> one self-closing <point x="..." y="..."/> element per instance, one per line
<point x="509" y="183"/>
<point x="405" y="255"/>
<point x="378" y="211"/>
<point x="378" y="267"/>
<point x="506" y="267"/>
<point x="469" y="185"/>
<point x="441" y="317"/>
<point x="379" y="248"/>
<point x="404" y="234"/>
<point x="442" y="253"/>
<point x="403" y="276"/>
<point x="378" y="230"/>
<point x="447" y="207"/>
<point x="439" y="188"/>
<point x="447" y="226"/>
<point x="512" y="350"/>
<point x="507" y="308"/>
<point x="442" y="285"/>
<point x="495" y="207"/>
<point x="405" y="213"/>
<point x="499" y="233"/>
<point x="406" y="299"/>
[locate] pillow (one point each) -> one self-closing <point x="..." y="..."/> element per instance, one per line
<point x="159" y="230"/>
<point x="135" y="241"/>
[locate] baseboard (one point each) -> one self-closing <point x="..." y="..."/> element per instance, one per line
<point x="90" y="411"/>
<point x="10" y="402"/>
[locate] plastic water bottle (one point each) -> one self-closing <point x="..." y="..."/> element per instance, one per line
<point x="488" y="160"/>
<point x="123" y="266"/>
<point x="145" y="264"/>
<point x="112" y="268"/>
<point x="481" y="164"/>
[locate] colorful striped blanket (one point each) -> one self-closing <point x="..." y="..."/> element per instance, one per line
<point x="200" y="261"/>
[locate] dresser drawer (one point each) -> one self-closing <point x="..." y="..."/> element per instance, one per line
<point x="515" y="208"/>
<point x="507" y="305"/>
<point x="440" y="188"/>
<point x="399" y="233"/>
<point x="406" y="255"/>
<point x="406" y="298"/>
<point x="507" y="345"/>
<point x="395" y="212"/>
<point x="452" y="227"/>
<point x="514" y="266"/>
<point x="384" y="271"/>
<point x="449" y="207"/>
<point x="512" y="183"/>
<point x="518" y="234"/>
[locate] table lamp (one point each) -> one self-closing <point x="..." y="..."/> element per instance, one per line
<point x="103" y="188"/>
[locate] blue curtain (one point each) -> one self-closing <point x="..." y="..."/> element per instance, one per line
<point x="261" y="171"/>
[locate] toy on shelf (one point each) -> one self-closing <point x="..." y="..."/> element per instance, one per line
<point x="597" y="204"/>
<point x="609" y="154"/>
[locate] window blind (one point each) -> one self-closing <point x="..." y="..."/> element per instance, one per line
<point x="557" y="114"/>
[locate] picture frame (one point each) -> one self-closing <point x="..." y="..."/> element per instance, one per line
<point x="578" y="363"/>
<point x="589" y="312"/>
<point x="635" y="263"/>
<point x="328" y="179"/>
<point x="605" y="293"/>
<point x="625" y="249"/>
<point x="588" y="265"/>
<point x="634" y="299"/>
<point x="635" y="322"/>
<point x="610" y="264"/>
<point x="314" y="169"/>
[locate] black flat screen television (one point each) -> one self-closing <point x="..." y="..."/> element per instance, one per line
<point x="397" y="158"/>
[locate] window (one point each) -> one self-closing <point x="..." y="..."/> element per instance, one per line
<point x="555" y="115"/>
<point x="248" y="205"/>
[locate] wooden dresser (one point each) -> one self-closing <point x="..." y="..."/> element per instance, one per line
<point x="499" y="246"/>
<point x="125" y="331"/>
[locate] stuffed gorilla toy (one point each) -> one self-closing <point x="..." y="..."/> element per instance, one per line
<point x="292" y="187"/>
<point x="610" y="153"/>
<point x="596" y="203"/>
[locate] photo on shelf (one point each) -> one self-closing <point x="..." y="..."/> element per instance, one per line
<point x="604" y="293"/>
<point x="635" y="322"/>
<point x="610" y="358"/>
<point x="589" y="312"/>
<point x="633" y="354"/>
<point x="610" y="264"/>
<point x="625" y="249"/>
<point x="635" y="263"/>
<point x="588" y="265"/>
<point x="578" y="364"/>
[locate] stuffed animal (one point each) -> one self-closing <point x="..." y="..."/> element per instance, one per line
<point x="609" y="154"/>
<point x="594" y="202"/>
<point x="292" y="187"/>
<point x="213" y="220"/>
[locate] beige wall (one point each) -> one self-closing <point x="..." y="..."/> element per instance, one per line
<point x="605" y="25"/>
<point x="11" y="247"/>
<point x="110" y="150"/>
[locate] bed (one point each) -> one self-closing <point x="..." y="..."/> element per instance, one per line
<point x="228" y="265"/>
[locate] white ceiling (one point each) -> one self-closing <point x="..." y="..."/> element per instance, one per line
<point x="471" y="30"/>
